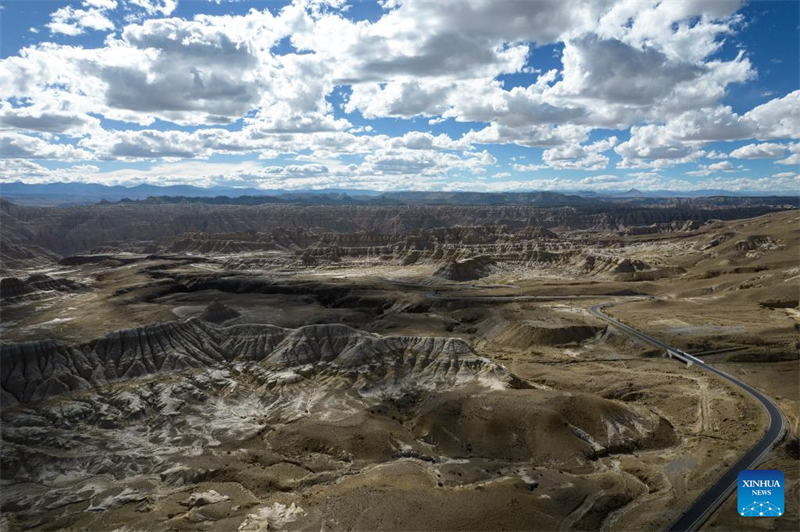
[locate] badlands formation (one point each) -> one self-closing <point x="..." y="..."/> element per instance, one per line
<point x="412" y="362"/>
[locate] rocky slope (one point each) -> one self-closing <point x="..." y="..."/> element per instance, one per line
<point x="219" y="313"/>
<point x="465" y="270"/>
<point x="21" y="257"/>
<point x="182" y="423"/>
<point x="37" y="370"/>
<point x="35" y="287"/>
<point x="78" y="229"/>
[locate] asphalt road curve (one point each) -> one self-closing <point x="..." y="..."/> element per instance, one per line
<point x="702" y="508"/>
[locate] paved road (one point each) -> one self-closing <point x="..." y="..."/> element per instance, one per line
<point x="702" y="508"/>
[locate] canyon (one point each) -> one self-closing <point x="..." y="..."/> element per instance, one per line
<point x="184" y="363"/>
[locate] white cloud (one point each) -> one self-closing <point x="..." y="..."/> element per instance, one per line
<point x="650" y="67"/>
<point x="70" y="21"/>
<point x="600" y="180"/>
<point x="710" y="124"/>
<point x="778" y="118"/>
<point x="518" y="167"/>
<point x="209" y="70"/>
<point x="614" y="72"/>
<point x="404" y="99"/>
<point x="579" y="157"/>
<point x="31" y="172"/>
<point x="714" y="168"/>
<point x="154" y="7"/>
<point x="533" y="136"/>
<point x="686" y="30"/>
<point x="543" y="22"/>
<point x="18" y="146"/>
<point x="767" y="150"/>
<point x="47" y="118"/>
<point x="315" y="176"/>
<point x="423" y="162"/>
<point x="786" y="175"/>
<point x="650" y="147"/>
<point x="417" y="140"/>
<point x="794" y="157"/>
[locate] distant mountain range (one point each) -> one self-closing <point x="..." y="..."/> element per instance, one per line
<point x="64" y="194"/>
<point x="86" y="193"/>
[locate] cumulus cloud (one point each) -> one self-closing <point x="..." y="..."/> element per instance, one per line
<point x="603" y="179"/>
<point x="714" y="168"/>
<point x="188" y="71"/>
<point x="785" y="175"/>
<point x="778" y="118"/>
<point x="678" y="140"/>
<point x="19" y="146"/>
<point x="423" y="162"/>
<point x="529" y="136"/>
<point x="265" y="84"/>
<point x="403" y="99"/>
<point x="579" y="157"/>
<point x="794" y="157"/>
<point x="651" y="147"/>
<point x="46" y="119"/>
<point x="153" y="7"/>
<point x="547" y="21"/>
<point x="209" y="70"/>
<point x="615" y="72"/>
<point x="706" y="125"/>
<point x="70" y="21"/>
<point x="32" y="172"/>
<point x="767" y="150"/>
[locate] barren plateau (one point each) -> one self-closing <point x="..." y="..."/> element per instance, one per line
<point x="182" y="365"/>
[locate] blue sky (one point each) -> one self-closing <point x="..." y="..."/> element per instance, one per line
<point x="400" y="94"/>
